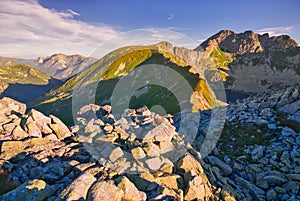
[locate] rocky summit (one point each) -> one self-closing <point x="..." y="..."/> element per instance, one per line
<point x="140" y="155"/>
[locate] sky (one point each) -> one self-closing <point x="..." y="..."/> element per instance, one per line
<point x="32" y="28"/>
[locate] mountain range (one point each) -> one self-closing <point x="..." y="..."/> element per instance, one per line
<point x="227" y="127"/>
<point x="247" y="63"/>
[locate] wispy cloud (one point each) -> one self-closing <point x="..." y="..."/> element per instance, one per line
<point x="30" y="30"/>
<point x="171" y="16"/>
<point x="275" y="31"/>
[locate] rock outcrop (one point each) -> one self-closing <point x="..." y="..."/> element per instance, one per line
<point x="131" y="156"/>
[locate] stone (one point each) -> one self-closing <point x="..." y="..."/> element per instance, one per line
<point x="290" y="108"/>
<point x="295" y="177"/>
<point x="292" y="186"/>
<point x="225" y="168"/>
<point x="18" y="133"/>
<point x="103" y="111"/>
<point x="266" y="112"/>
<point x="10" y="149"/>
<point x="33" y="190"/>
<point x="105" y="190"/>
<point x="272" y="126"/>
<point x="163" y="132"/>
<point x="286" y="131"/>
<point x="116" y="154"/>
<point x="154" y="163"/>
<point x="171" y="181"/>
<point x="9" y="127"/>
<point x="271" y="195"/>
<point x="257" y="153"/>
<point x="152" y="150"/>
<point x="196" y="190"/>
<point x="143" y="111"/>
<point x="138" y="153"/>
<point x="7" y="105"/>
<point x="59" y="128"/>
<point x="130" y="191"/>
<point x="33" y="130"/>
<point x="188" y="163"/>
<point x="78" y="189"/>
<point x="285" y="157"/>
<point x="166" y="147"/>
<point x="40" y="120"/>
<point x="108" y="128"/>
<point x="273" y="179"/>
<point x="260" y="122"/>
<point x="123" y="135"/>
<point x="258" y="193"/>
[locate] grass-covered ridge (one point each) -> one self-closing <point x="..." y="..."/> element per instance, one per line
<point x="107" y="71"/>
<point x="21" y="74"/>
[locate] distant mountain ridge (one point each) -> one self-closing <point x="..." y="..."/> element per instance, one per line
<point x="24" y="83"/>
<point x="63" y="66"/>
<point x="59" y="66"/>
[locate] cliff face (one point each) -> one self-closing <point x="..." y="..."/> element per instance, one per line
<point x="255" y="62"/>
<point x="247" y="42"/>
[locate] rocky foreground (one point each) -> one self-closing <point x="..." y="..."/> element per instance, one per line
<point x="139" y="155"/>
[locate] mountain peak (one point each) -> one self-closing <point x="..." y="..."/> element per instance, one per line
<point x="246" y="42"/>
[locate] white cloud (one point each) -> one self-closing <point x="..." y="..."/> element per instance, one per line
<point x="275" y="31"/>
<point x="29" y="30"/>
<point x="171" y="16"/>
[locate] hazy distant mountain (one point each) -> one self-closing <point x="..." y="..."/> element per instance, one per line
<point x="59" y="66"/>
<point x="255" y="62"/>
<point x="63" y="66"/>
<point x="24" y="83"/>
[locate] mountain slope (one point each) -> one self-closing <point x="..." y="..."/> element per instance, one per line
<point x="120" y="62"/>
<point x="255" y="62"/>
<point x="24" y="83"/>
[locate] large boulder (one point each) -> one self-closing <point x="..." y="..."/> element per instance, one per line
<point x="59" y="128"/>
<point x="78" y="189"/>
<point x="105" y="190"/>
<point x="7" y="105"/>
<point x="130" y="191"/>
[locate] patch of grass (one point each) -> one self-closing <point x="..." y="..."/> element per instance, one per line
<point x="235" y="139"/>
<point x="219" y="58"/>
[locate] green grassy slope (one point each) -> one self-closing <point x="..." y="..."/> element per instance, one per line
<point x="110" y="69"/>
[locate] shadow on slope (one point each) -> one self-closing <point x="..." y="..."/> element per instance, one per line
<point x="28" y="92"/>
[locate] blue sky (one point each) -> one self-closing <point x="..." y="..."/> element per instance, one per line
<point x="31" y="28"/>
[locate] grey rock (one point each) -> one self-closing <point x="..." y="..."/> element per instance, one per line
<point x="59" y="128"/>
<point x="226" y="169"/>
<point x="260" y="122"/>
<point x="288" y="132"/>
<point x="7" y="105"/>
<point x="285" y="157"/>
<point x="291" y="108"/>
<point x="103" y="190"/>
<point x="271" y="195"/>
<point x="78" y="189"/>
<point x="274" y="180"/>
<point x="257" y="153"/>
